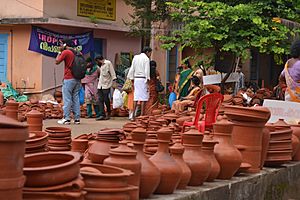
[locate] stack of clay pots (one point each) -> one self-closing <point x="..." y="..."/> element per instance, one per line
<point x="104" y="182"/>
<point x="37" y="142"/>
<point x="11" y="109"/>
<point x="105" y="140"/>
<point x="227" y="99"/>
<point x="280" y="145"/>
<point x="12" y="147"/>
<point x="59" y="138"/>
<point x="53" y="175"/>
<point x="247" y="133"/>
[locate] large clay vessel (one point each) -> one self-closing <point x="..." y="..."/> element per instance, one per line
<point x="265" y="146"/>
<point x="150" y="175"/>
<point x="11" y="109"/>
<point x="208" y="145"/>
<point x="227" y="155"/>
<point x="177" y="151"/>
<point x="296" y="132"/>
<point x="125" y="157"/>
<point x="12" y="150"/>
<point x="170" y="171"/>
<point x="197" y="161"/>
<point x="35" y="120"/>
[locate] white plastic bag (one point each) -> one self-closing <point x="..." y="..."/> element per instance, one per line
<point x="117" y="99"/>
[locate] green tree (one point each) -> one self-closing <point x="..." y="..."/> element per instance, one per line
<point x="145" y="13"/>
<point x="233" y="26"/>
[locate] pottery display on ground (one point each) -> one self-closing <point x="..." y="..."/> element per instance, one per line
<point x="34" y="120"/>
<point x="12" y="150"/>
<point x="177" y="151"/>
<point x="169" y="170"/>
<point x="125" y="157"/>
<point x="227" y="155"/>
<point x="150" y="175"/>
<point x="193" y="156"/>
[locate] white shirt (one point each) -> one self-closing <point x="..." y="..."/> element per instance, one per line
<point x="107" y="75"/>
<point x="140" y="67"/>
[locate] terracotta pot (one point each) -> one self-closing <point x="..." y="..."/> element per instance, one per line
<point x="208" y="145"/>
<point x="125" y="157"/>
<point x="169" y="169"/>
<point x="35" y="120"/>
<point x="1" y="99"/>
<point x="296" y="132"/>
<point x="150" y="175"/>
<point x="61" y="166"/>
<point x="109" y="193"/>
<point x="12" y="147"/>
<point x="181" y="120"/>
<point x="193" y="156"/>
<point x="177" y="151"/>
<point x="58" y="132"/>
<point x="37" y="140"/>
<point x="98" y="150"/>
<point x="11" y="109"/>
<point x="11" y="189"/>
<point x="226" y="153"/>
<point x="105" y="176"/>
<point x="253" y="114"/>
<point x="79" y="145"/>
<point x="265" y="146"/>
<point x="53" y="195"/>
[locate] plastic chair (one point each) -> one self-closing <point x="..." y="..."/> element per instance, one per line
<point x="212" y="103"/>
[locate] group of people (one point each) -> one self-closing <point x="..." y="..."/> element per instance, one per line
<point x="97" y="82"/>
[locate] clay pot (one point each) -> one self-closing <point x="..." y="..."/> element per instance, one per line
<point x="208" y="145"/>
<point x="98" y="150"/>
<point x="12" y="147"/>
<point x="150" y="175"/>
<point x="105" y="176"/>
<point x="11" y="189"/>
<point x="253" y="114"/>
<point x="181" y="120"/>
<point x="226" y="153"/>
<point x="170" y="171"/>
<point x="53" y="195"/>
<point x="79" y="145"/>
<point x="193" y="156"/>
<point x="58" y="132"/>
<point x="35" y="120"/>
<point x="125" y="157"/>
<point x="11" y="109"/>
<point x="1" y="99"/>
<point x="295" y="144"/>
<point x="177" y="151"/>
<point x="37" y="141"/>
<point x="62" y="167"/>
<point x="265" y="146"/>
<point x="296" y="132"/>
<point x="109" y="193"/>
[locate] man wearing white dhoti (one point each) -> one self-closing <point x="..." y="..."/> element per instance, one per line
<point x="139" y="73"/>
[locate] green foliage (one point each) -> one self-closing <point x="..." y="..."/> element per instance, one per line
<point x="232" y="26"/>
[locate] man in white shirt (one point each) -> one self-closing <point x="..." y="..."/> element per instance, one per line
<point x="107" y="75"/>
<point x="139" y="73"/>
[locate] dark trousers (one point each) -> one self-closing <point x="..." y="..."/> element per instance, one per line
<point x="104" y="99"/>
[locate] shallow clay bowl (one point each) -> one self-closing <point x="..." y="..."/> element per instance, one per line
<point x="51" y="168"/>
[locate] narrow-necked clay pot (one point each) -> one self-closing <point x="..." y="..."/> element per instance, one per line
<point x="35" y="120"/>
<point x="170" y="171"/>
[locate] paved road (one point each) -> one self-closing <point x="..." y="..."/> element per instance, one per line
<point x="88" y="125"/>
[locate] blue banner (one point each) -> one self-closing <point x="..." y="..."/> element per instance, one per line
<point x="47" y="42"/>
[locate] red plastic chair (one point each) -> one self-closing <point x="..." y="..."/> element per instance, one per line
<point x="212" y="104"/>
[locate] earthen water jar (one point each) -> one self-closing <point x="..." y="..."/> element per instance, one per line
<point x="197" y="161"/>
<point x="12" y="150"/>
<point x="177" y="151"/>
<point x="227" y="155"/>
<point x="170" y="171"/>
<point x="11" y="109"/>
<point x="208" y="145"/>
<point x="35" y="120"/>
<point x="125" y="157"/>
<point x="150" y="175"/>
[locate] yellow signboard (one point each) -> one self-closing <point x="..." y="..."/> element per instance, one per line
<point x="102" y="9"/>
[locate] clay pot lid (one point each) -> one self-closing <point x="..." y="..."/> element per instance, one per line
<point x="34" y="113"/>
<point x="7" y="122"/>
<point x="123" y="149"/>
<point x="164" y="133"/>
<point x="177" y="148"/>
<point x="280" y="123"/>
<point x="209" y="138"/>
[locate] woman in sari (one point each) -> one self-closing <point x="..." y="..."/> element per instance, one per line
<point x="291" y="74"/>
<point x="90" y="82"/>
<point x="153" y="101"/>
<point x="189" y="100"/>
<point x="184" y="80"/>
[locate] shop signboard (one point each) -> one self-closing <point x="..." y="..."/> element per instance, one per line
<point x="47" y="42"/>
<point x="101" y="9"/>
<point x="217" y="78"/>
